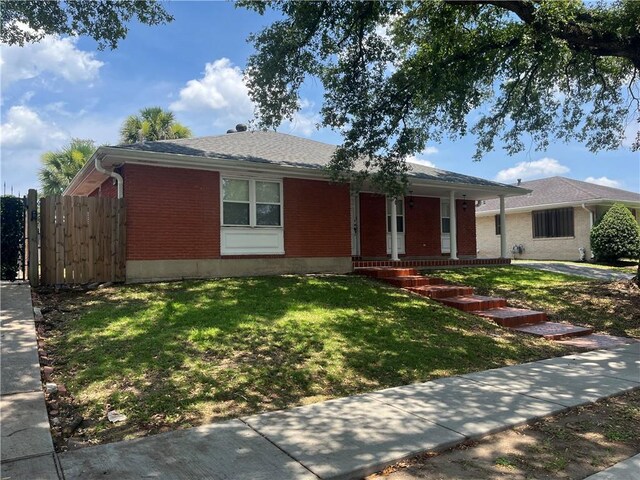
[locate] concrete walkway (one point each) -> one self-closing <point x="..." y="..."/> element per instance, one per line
<point x="579" y="269"/>
<point x="354" y="436"/>
<point x="626" y="470"/>
<point x="344" y="438"/>
<point x="27" y="448"/>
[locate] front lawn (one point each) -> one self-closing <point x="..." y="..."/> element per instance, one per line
<point x="612" y="308"/>
<point x="173" y="355"/>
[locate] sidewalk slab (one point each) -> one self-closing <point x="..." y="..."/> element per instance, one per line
<point x="565" y="386"/>
<point x="351" y="437"/>
<point x="20" y="367"/>
<point x="470" y="408"/>
<point x="601" y="362"/>
<point x="25" y="426"/>
<point x="220" y="451"/>
<point x="631" y="349"/>
<point x="37" y="468"/>
<point x="20" y="370"/>
<point x="626" y="470"/>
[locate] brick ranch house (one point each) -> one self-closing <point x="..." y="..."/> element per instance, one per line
<point x="252" y="203"/>
<point x="552" y="222"/>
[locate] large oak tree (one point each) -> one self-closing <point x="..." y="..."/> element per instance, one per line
<point x="397" y="75"/>
<point x="28" y="21"/>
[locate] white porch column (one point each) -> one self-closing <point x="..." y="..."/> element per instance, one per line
<point x="394" y="230"/>
<point x="453" y="229"/>
<point x="503" y="229"/>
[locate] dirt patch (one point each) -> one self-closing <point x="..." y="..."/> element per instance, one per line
<point x="570" y="445"/>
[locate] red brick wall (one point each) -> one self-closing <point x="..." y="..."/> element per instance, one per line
<point x="172" y="213"/>
<point x="107" y="189"/>
<point x="317" y="219"/>
<point x="422" y="236"/>
<point x="466" y="228"/>
<point x="373" y="228"/>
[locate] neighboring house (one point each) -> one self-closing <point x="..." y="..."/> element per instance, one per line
<point x="250" y="203"/>
<point x="552" y="222"/>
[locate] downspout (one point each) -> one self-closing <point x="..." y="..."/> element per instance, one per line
<point x="112" y="174"/>
<point x="591" y="215"/>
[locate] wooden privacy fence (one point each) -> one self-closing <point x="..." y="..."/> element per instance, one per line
<point x="82" y="240"/>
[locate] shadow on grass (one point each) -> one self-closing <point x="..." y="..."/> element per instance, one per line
<point x="196" y="351"/>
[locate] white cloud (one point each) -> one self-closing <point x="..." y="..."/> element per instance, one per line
<point x="25" y="129"/>
<point x="604" y="181"/>
<point x="423" y="161"/>
<point x="221" y="89"/>
<point x="54" y="55"/>
<point x="545" y="167"/>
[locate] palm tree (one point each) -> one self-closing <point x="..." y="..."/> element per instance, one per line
<point x="151" y="124"/>
<point x="60" y="166"/>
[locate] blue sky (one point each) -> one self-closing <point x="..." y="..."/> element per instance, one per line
<point x="64" y="87"/>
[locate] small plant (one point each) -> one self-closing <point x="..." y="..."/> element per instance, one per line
<point x="616" y="236"/>
<point x="505" y="462"/>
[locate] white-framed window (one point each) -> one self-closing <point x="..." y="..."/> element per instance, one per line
<point x="248" y="202"/>
<point x="399" y="215"/>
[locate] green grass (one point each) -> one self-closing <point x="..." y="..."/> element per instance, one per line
<point x="179" y="354"/>
<point x="608" y="308"/>
<point x="624" y="266"/>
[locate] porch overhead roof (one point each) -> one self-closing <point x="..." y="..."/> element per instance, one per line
<point x="269" y="151"/>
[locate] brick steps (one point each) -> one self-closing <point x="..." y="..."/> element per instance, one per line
<point x="522" y="320"/>
<point x="554" y="331"/>
<point x="513" y="317"/>
<point x="473" y="303"/>
<point x="441" y="291"/>
<point x="387" y="272"/>
<point x="413" y="281"/>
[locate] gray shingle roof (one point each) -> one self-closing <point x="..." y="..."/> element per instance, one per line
<point x="281" y="149"/>
<point x="558" y="190"/>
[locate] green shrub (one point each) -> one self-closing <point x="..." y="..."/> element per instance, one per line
<point x="616" y="236"/>
<point x="12" y="210"/>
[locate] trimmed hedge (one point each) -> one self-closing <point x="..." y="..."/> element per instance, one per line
<point x="12" y="209"/>
<point x="616" y="236"/>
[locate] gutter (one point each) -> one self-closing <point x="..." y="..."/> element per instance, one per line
<point x="236" y="164"/>
<point x="531" y="208"/>
<point x="112" y="174"/>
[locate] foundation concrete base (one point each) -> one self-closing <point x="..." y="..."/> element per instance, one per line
<point x="155" y="270"/>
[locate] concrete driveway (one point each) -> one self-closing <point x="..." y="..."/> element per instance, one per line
<point x="579" y="269"/>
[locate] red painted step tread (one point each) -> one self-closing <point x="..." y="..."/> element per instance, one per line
<point x="441" y="291"/>
<point x="473" y="303"/>
<point x="552" y="330"/>
<point x="513" y="317"/>
<point x="413" y="281"/>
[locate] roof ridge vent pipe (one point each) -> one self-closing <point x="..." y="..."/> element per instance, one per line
<point x="112" y="174"/>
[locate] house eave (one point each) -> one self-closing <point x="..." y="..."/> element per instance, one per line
<point x="88" y="178"/>
<point x="531" y="208"/>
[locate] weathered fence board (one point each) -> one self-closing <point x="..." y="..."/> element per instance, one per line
<point x="82" y="240"/>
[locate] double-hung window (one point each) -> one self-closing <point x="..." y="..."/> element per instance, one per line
<point x="251" y="203"/>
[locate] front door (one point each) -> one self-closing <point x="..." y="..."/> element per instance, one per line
<point x="445" y="226"/>
<point x="355" y="225"/>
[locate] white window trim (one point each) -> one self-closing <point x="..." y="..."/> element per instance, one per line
<point x="252" y="201"/>
<point x="398" y="214"/>
<point x="401" y="235"/>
